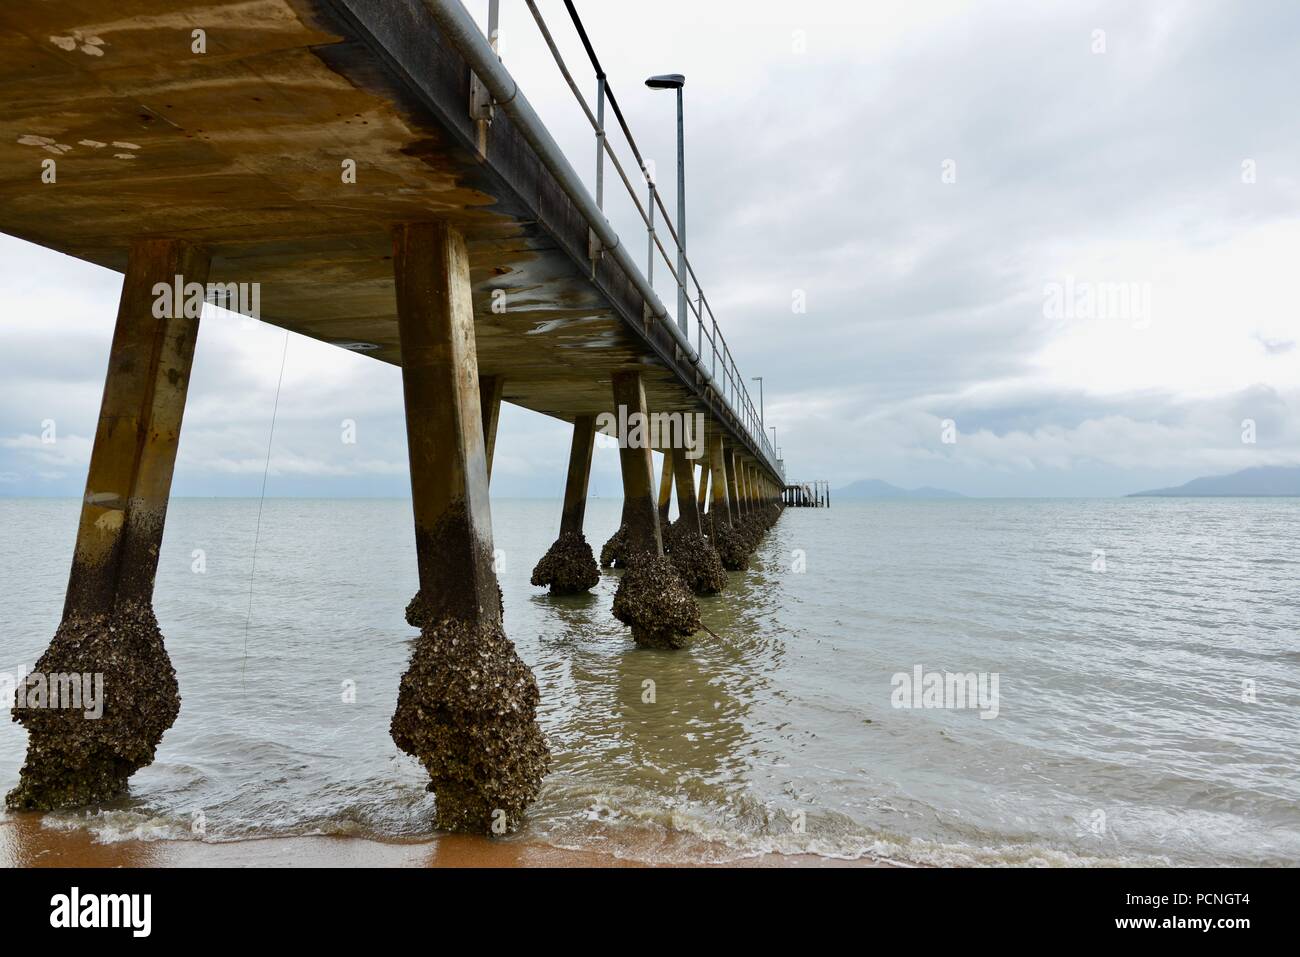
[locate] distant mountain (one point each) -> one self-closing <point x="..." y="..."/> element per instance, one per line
<point x="1263" y="480"/>
<point x="874" y="488"/>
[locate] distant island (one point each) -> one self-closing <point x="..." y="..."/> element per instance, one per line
<point x="1263" y="480"/>
<point x="874" y="488"/>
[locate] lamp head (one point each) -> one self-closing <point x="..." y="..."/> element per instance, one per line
<point x="666" y="81"/>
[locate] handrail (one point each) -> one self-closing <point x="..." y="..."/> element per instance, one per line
<point x="464" y="33"/>
<point x="731" y="370"/>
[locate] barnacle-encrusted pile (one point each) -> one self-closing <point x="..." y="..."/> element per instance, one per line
<point x="753" y="526"/>
<point x="695" y="559"/>
<point x="728" y="543"/>
<point x="568" y="567"/>
<point x="467" y="709"/>
<point x="72" y="759"/>
<point x="653" y="600"/>
<point x="767" y="515"/>
<point x="417" y="612"/>
<point x="614" y="552"/>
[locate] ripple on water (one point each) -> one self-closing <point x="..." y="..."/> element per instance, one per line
<point x="1121" y="696"/>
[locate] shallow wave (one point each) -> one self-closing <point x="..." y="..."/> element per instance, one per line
<point x="636" y="833"/>
<point x="117" y="826"/>
<point x="622" y="822"/>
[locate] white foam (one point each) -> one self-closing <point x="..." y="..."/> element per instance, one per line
<point x="117" y="826"/>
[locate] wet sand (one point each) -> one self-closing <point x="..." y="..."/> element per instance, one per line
<point x="25" y="843"/>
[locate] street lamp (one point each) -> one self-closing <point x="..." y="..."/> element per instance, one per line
<point x="675" y="81"/>
<point x="759" y="380"/>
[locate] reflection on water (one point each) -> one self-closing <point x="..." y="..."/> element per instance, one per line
<point x="1122" y="734"/>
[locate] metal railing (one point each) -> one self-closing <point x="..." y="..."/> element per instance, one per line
<point x="718" y="362"/>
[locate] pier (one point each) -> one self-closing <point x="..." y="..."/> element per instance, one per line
<point x="375" y="177"/>
<point x="815" y="494"/>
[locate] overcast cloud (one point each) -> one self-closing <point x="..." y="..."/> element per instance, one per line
<point x="817" y="138"/>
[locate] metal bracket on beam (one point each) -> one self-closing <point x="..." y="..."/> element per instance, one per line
<point x="480" y="101"/>
<point x="595" y="250"/>
<point x="481" y="109"/>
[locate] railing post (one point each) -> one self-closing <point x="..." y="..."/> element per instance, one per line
<point x="600" y="142"/>
<point x="699" y="318"/>
<point x="650" y="236"/>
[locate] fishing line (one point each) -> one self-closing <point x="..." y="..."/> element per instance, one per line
<point x="243" y="670"/>
<point x="712" y="632"/>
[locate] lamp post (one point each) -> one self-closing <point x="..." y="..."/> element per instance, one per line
<point x="759" y="380"/>
<point x="675" y="81"/>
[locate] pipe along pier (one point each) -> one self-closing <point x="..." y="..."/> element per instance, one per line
<point x="329" y="154"/>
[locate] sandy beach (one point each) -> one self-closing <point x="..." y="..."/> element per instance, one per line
<point x="24" y="842"/>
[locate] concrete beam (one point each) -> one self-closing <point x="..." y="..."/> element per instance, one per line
<point x="651" y="597"/>
<point x="721" y="507"/>
<point x="131" y="462"/>
<point x="733" y="485"/>
<point x="684" y="475"/>
<point x="467" y="705"/>
<point x="575" y="484"/>
<point x="489" y="400"/>
<point x="639" y="512"/>
<point x="569" y="566"/>
<point x="489" y="394"/>
<point x="665" y="486"/>
<point x="444" y="425"/>
<point x="108" y="628"/>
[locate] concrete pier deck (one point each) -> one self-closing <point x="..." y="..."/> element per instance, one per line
<point x="241" y="149"/>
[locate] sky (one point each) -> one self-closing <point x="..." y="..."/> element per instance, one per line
<point x="1042" y="250"/>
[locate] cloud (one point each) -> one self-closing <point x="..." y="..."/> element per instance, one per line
<point x="60" y="450"/>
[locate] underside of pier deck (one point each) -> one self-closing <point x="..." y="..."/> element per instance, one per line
<point x="243" y="150"/>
